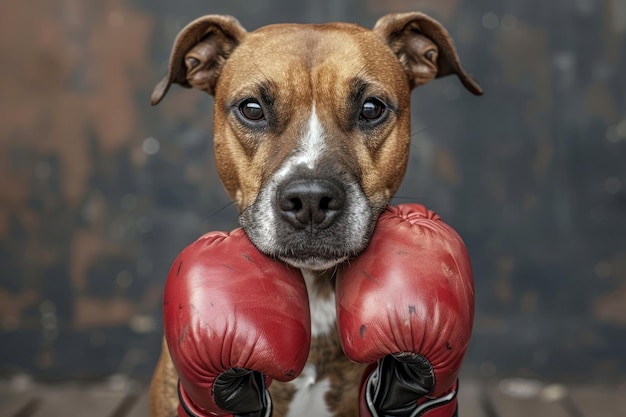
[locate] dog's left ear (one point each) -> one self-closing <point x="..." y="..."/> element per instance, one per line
<point x="199" y="53"/>
<point x="424" y="48"/>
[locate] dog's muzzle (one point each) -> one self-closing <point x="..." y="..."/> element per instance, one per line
<point x="310" y="221"/>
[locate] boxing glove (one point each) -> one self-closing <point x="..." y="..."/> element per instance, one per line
<point x="406" y="306"/>
<point x="234" y="320"/>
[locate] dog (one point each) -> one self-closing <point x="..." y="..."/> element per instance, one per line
<point x="311" y="136"/>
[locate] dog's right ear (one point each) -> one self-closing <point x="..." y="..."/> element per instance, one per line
<point x="199" y="53"/>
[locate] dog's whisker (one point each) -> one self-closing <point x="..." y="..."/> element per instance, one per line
<point x="404" y="198"/>
<point x="206" y="132"/>
<point x="422" y="129"/>
<point x="218" y="211"/>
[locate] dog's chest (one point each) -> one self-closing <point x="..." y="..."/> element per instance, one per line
<point x="309" y="399"/>
<point x="313" y="384"/>
<point x="328" y="385"/>
<point x="321" y="304"/>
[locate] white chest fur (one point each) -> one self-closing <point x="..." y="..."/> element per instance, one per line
<point x="323" y="312"/>
<point x="308" y="400"/>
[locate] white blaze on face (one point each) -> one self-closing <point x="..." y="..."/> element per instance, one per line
<point x="313" y="142"/>
<point x="310" y="149"/>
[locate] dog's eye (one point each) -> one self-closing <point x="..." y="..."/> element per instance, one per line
<point x="251" y="109"/>
<point x="372" y="109"/>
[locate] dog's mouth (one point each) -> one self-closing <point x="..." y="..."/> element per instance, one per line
<point x="314" y="262"/>
<point x="305" y="250"/>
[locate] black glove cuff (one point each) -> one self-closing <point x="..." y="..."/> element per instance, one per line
<point x="265" y="400"/>
<point x="418" y="411"/>
<point x="399" y="386"/>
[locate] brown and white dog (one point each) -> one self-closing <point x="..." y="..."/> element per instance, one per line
<point x="311" y="134"/>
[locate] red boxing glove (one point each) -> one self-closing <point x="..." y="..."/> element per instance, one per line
<point x="406" y="304"/>
<point x="234" y="319"/>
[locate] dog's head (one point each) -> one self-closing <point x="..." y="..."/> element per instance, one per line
<point x="312" y="122"/>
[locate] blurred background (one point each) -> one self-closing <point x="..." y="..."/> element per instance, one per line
<point x="99" y="191"/>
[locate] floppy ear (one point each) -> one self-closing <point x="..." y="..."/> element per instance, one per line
<point x="199" y="53"/>
<point x="424" y="48"/>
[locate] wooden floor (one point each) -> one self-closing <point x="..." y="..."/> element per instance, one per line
<point x="119" y="397"/>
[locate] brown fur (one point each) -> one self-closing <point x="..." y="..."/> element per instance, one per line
<point x="381" y="164"/>
<point x="163" y="388"/>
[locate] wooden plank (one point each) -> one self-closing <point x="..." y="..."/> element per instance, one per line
<point x="594" y="401"/>
<point x="75" y="401"/>
<point x="16" y="403"/>
<point x="523" y="398"/>
<point x="469" y="398"/>
<point x="469" y="401"/>
<point x="508" y="398"/>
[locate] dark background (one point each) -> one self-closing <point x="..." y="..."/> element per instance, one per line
<point x="99" y="191"/>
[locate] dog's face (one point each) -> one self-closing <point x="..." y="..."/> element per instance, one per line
<point x="321" y="136"/>
<point x="312" y="123"/>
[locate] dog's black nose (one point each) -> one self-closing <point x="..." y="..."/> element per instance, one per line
<point x="313" y="202"/>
